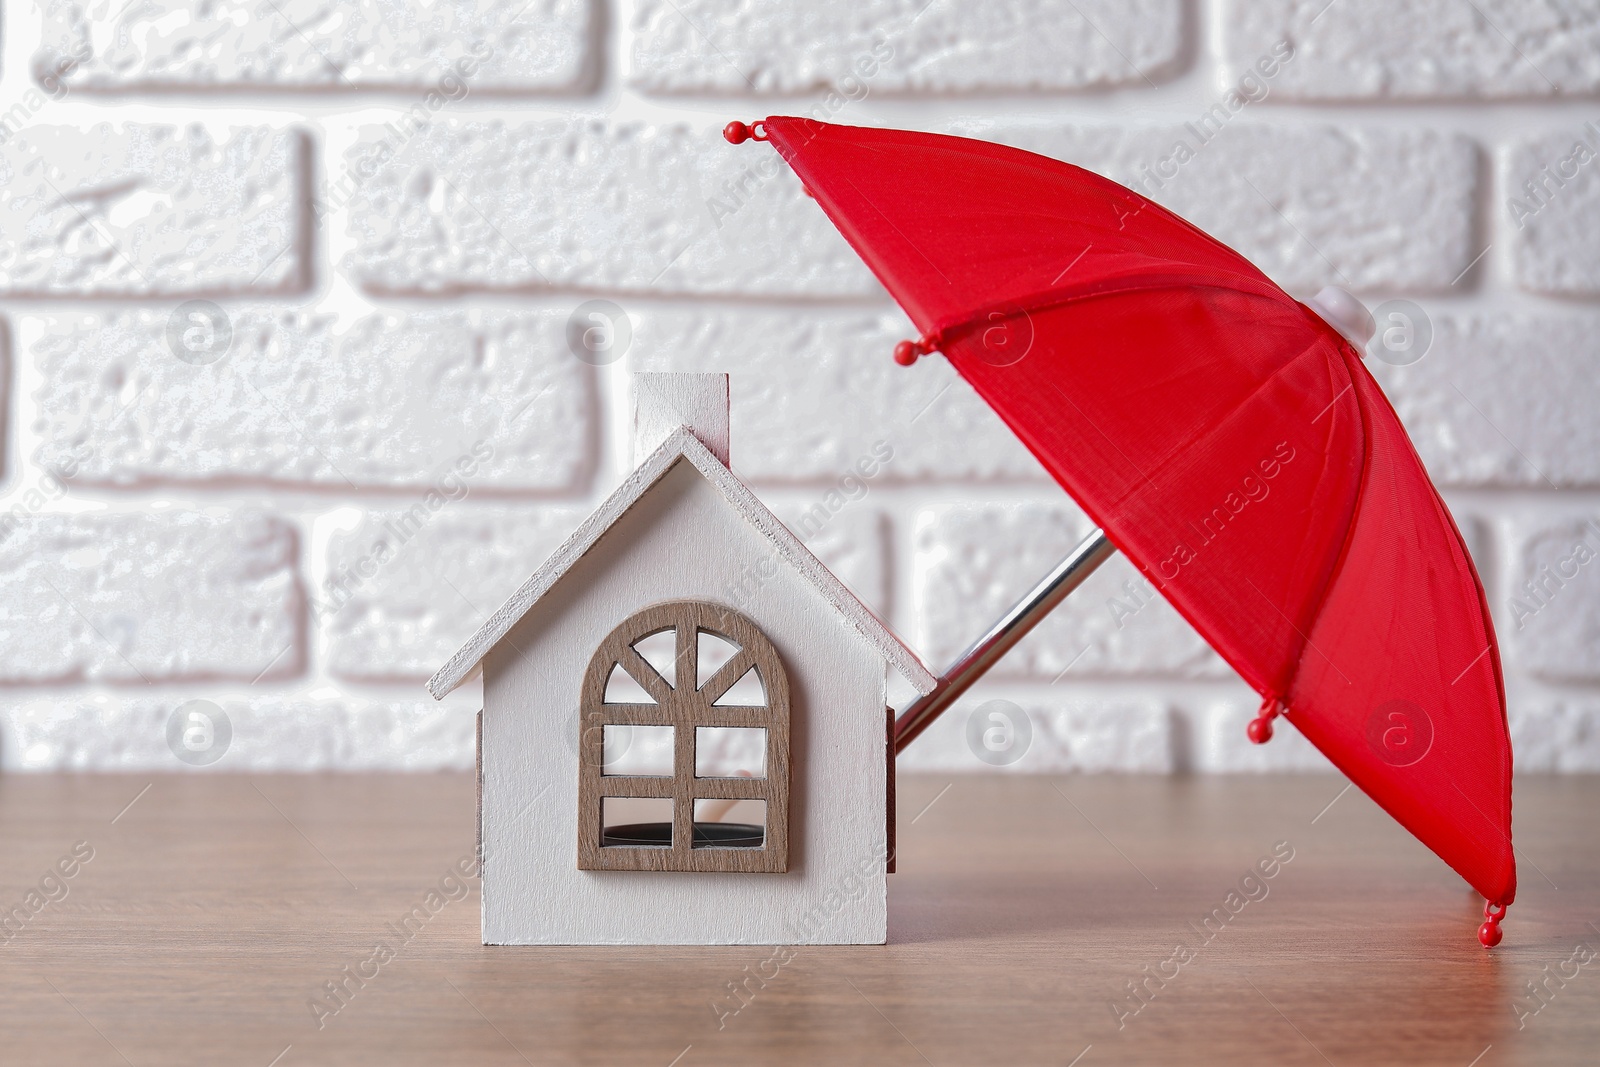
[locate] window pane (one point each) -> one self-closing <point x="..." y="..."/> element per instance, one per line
<point x="730" y="823"/>
<point x="623" y="688"/>
<point x="639" y="822"/>
<point x="730" y="752"/>
<point x="660" y="650"/>
<point x="643" y="750"/>
<point x="713" y="652"/>
<point x="747" y="692"/>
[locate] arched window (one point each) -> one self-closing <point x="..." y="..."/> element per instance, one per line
<point x="684" y="752"/>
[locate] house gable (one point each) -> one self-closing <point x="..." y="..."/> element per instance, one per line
<point x="683" y="447"/>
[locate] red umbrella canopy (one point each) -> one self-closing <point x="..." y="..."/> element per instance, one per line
<point x="1228" y="441"/>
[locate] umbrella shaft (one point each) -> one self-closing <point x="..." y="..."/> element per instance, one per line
<point x="986" y="651"/>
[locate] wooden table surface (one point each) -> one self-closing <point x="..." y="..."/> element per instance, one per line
<point x="216" y="907"/>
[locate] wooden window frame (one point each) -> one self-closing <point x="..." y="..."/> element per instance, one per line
<point x="684" y="708"/>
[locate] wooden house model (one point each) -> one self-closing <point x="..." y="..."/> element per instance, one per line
<point x="670" y="750"/>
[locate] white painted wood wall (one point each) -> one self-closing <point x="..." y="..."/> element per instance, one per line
<point x="682" y="539"/>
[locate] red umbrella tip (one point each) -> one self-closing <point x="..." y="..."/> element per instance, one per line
<point x="1260" y="729"/>
<point x="1489" y="933"/>
<point x="739" y="133"/>
<point x="907" y="352"/>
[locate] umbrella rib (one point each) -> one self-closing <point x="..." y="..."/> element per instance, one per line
<point x="1349" y="533"/>
<point x="1303" y="635"/>
<point x="1048" y="299"/>
<point x="1503" y="835"/>
<point x="1332" y="402"/>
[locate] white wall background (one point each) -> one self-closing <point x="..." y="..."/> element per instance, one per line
<point x="171" y="526"/>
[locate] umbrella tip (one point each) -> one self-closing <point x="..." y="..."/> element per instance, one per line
<point x="907" y="352"/>
<point x="1345" y="313"/>
<point x="1260" y="729"/>
<point x="739" y="132"/>
<point x="1489" y="933"/>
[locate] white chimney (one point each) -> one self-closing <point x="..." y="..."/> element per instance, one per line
<point x="663" y="402"/>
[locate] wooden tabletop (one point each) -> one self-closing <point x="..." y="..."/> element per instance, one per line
<point x="216" y="908"/>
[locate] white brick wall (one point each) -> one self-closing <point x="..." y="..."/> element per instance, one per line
<point x="1422" y="50"/>
<point x="587" y="204"/>
<point x="290" y="404"/>
<point x="900" y="46"/>
<point x="133" y="210"/>
<point x="277" y="45"/>
<point x="390" y="401"/>
<point x="167" y="595"/>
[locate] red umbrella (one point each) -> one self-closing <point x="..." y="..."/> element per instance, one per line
<point x="1222" y="434"/>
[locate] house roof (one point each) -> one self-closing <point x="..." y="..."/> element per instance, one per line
<point x="680" y="446"/>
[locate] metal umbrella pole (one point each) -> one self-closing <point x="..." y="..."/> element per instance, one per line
<point x="986" y="651"/>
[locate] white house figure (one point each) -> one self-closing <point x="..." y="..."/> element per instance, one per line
<point x="684" y="736"/>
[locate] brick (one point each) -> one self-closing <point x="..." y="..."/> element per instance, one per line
<point x="630" y="207"/>
<point x="1219" y="744"/>
<point x="810" y="407"/>
<point x="1550" y="617"/>
<point x="1362" y="208"/>
<point x="447" y="49"/>
<point x="1560" y="737"/>
<point x="1423" y="49"/>
<point x="971" y="562"/>
<point x="1503" y="400"/>
<point x="136" y="210"/>
<point x="1069" y="736"/>
<point x="853" y="48"/>
<point x="268" y="733"/>
<point x="145" y="597"/>
<point x="403" y="591"/>
<point x="1552" y="210"/>
<point x="391" y="401"/>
